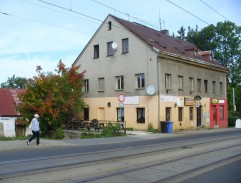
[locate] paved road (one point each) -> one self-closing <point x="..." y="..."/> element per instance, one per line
<point x="85" y="150"/>
<point x="229" y="173"/>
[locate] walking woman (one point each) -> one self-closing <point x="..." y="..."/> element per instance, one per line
<point x="35" y="130"/>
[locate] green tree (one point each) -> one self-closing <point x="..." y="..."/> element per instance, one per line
<point x="181" y="33"/>
<point x="14" y="82"/>
<point x="224" y="40"/>
<point x="55" y="97"/>
<point x="192" y="35"/>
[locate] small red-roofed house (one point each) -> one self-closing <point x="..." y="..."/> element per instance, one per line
<point x="8" y="114"/>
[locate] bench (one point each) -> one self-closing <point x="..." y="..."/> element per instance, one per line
<point x="94" y="124"/>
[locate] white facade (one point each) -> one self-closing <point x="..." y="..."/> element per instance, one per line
<point x="8" y="124"/>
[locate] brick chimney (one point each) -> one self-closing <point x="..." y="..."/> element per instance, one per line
<point x="165" y="31"/>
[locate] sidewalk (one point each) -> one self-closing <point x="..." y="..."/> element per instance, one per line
<point x="131" y="136"/>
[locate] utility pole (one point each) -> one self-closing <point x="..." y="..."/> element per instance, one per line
<point x="234" y="105"/>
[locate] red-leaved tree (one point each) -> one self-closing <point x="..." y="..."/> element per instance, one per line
<point x="55" y="97"/>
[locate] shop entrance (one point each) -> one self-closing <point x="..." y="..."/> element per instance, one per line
<point x="214" y="115"/>
<point x="199" y="116"/>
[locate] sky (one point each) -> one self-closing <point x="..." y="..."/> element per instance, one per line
<point x="41" y="32"/>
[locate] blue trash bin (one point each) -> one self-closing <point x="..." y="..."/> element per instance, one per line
<point x="169" y="126"/>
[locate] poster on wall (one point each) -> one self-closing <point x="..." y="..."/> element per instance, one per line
<point x="180" y="102"/>
<point x="168" y="98"/>
<point x="132" y="100"/>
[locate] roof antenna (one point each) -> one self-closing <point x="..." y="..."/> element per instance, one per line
<point x="164" y="24"/>
<point x="160" y="20"/>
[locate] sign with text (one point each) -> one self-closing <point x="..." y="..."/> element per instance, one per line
<point x="188" y="101"/>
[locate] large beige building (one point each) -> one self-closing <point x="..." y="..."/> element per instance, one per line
<point x="143" y="76"/>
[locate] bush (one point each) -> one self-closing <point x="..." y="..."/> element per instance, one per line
<point x="59" y="133"/>
<point x="112" y="130"/>
<point x="232" y="117"/>
<point x="151" y="129"/>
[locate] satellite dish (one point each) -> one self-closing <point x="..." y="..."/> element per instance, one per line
<point x="114" y="46"/>
<point x="151" y="90"/>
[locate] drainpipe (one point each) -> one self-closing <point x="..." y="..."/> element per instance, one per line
<point x="158" y="82"/>
<point x="158" y="88"/>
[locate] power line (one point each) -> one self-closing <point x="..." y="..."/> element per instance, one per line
<point x="61" y="7"/>
<point x="66" y="9"/>
<point x="40" y="22"/>
<point x="125" y="14"/>
<point x="188" y="12"/>
<point x="214" y="10"/>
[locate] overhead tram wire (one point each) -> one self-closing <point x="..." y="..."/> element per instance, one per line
<point x="66" y="9"/>
<point x="61" y="7"/>
<point x="188" y="12"/>
<point x="40" y="22"/>
<point x="52" y="25"/>
<point x="51" y="9"/>
<point x="125" y="14"/>
<point x="214" y="10"/>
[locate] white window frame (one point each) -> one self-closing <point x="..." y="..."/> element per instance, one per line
<point x="125" y="45"/>
<point x="140" y="114"/>
<point x="206" y="86"/>
<point x="101" y="82"/>
<point x="168" y="81"/>
<point x="180" y="82"/>
<point x="119" y="82"/>
<point x="221" y="87"/>
<point x="191" y="84"/>
<point x="110" y="50"/>
<point x="96" y="51"/>
<point x="140" y="81"/>
<point x="214" y="86"/>
<point x="199" y="85"/>
<point x="86" y="85"/>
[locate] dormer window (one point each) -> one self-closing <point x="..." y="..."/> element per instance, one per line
<point x="109" y="25"/>
<point x="195" y="53"/>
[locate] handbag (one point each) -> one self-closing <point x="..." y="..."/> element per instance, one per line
<point x="30" y="125"/>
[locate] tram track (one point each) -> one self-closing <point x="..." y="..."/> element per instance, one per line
<point x="107" y="156"/>
<point x="163" y="162"/>
<point x="151" y="148"/>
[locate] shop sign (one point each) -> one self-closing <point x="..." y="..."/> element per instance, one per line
<point x="188" y="101"/>
<point x="215" y="101"/>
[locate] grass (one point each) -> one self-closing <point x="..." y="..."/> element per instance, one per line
<point x="13" y="138"/>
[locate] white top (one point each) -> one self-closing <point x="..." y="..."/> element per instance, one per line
<point x="35" y="125"/>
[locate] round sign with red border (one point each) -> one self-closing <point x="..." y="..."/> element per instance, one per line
<point x="121" y="97"/>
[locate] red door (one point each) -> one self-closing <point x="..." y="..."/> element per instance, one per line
<point x="214" y="115"/>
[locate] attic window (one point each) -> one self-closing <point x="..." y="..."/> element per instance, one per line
<point x="109" y="25"/>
